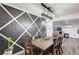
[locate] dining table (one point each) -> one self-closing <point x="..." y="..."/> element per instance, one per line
<point x="43" y="43"/>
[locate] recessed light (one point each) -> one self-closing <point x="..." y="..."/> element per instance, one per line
<point x="67" y="22"/>
<point x="68" y="26"/>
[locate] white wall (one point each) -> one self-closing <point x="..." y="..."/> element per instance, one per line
<point x="72" y="31"/>
<point x="49" y="29"/>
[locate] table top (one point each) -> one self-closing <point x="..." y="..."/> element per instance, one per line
<point x="43" y="43"/>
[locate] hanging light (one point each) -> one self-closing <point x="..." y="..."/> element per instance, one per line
<point x="48" y="10"/>
<point x="44" y="15"/>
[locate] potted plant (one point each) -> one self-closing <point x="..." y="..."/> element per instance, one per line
<point x="9" y="50"/>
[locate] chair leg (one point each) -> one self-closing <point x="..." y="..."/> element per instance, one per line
<point x="57" y="52"/>
<point x="54" y="52"/>
<point x="61" y="50"/>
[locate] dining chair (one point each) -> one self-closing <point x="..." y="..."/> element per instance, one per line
<point x="28" y="46"/>
<point x="56" y="43"/>
<point x="57" y="46"/>
<point x="60" y="49"/>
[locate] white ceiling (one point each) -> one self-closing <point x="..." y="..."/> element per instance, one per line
<point x="66" y="8"/>
<point x="66" y="23"/>
<point x="34" y="8"/>
<point x="60" y="9"/>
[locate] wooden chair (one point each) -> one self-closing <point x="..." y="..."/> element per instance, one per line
<point x="60" y="45"/>
<point x="55" y="43"/>
<point x="28" y="46"/>
<point x="57" y="46"/>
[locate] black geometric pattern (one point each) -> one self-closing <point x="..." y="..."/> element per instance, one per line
<point x="28" y="23"/>
<point x="4" y="17"/>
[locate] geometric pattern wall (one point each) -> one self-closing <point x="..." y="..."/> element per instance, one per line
<point x="18" y="24"/>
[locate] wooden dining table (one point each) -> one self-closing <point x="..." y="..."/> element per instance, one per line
<point x="43" y="42"/>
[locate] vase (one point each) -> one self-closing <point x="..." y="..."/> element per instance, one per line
<point x="8" y="51"/>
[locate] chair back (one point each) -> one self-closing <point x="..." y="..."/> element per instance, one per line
<point x="28" y="46"/>
<point x="55" y="38"/>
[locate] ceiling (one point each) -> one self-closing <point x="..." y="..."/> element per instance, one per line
<point x="62" y="11"/>
<point x="58" y="8"/>
<point x="66" y="23"/>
